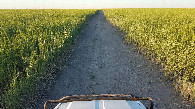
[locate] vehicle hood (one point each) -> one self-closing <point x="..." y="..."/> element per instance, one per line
<point x="101" y="104"/>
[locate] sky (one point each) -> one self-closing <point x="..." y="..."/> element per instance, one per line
<point x="98" y="4"/>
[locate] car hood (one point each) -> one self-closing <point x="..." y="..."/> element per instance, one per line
<point x="101" y="104"/>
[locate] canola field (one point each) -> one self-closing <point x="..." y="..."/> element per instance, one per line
<point x="167" y="36"/>
<point x="29" y="41"/>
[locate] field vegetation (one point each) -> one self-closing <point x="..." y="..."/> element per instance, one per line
<point x="167" y="36"/>
<point x="29" y="42"/>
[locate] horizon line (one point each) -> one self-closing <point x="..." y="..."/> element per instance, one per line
<point x="109" y="8"/>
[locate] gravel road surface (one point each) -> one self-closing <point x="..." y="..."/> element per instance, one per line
<point x="102" y="63"/>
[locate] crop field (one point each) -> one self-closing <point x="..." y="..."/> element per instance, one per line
<point x="29" y="41"/>
<point x="32" y="39"/>
<point x="167" y="36"/>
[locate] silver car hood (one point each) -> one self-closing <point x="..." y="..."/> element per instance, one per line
<point x="101" y="104"/>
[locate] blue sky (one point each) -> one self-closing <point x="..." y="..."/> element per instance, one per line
<point x="72" y="4"/>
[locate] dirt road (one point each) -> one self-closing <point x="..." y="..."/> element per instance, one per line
<point x="102" y="63"/>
